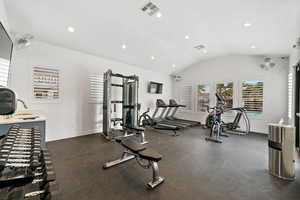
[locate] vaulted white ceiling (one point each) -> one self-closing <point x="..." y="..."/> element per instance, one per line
<point x="102" y="26"/>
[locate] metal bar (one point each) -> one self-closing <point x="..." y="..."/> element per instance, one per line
<point x="118" y="161"/>
<point x="156" y="179"/>
<point x="107" y="104"/>
<point x="116" y="85"/>
<point x="116" y="101"/>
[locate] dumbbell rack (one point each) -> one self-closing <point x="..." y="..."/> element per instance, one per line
<point x="26" y="170"/>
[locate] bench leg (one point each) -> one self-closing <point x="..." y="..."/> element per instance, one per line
<point x="127" y="135"/>
<point x="175" y="133"/>
<point x="143" y="139"/>
<point x="125" y="157"/>
<point x="156" y="180"/>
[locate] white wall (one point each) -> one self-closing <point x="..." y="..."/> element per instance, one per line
<point x="237" y="69"/>
<point x="3" y="17"/>
<point x="73" y="115"/>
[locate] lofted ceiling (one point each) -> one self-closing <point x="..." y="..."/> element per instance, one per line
<point x="102" y="27"/>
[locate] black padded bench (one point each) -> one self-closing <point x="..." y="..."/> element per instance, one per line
<point x="137" y="150"/>
<point x="137" y="130"/>
<point x="147" y="154"/>
<point x="150" y="154"/>
<point x="132" y="145"/>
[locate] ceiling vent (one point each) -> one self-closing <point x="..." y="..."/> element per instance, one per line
<point x="297" y="45"/>
<point x="23" y="41"/>
<point x="150" y="8"/>
<point x="177" y="78"/>
<point x="200" y="47"/>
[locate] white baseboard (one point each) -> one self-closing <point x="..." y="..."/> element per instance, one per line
<point x="81" y="133"/>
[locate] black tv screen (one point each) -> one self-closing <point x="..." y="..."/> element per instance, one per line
<point x="155" y="88"/>
<point x="6" y="46"/>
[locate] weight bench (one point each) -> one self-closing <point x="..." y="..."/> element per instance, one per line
<point x="139" y="131"/>
<point x="141" y="154"/>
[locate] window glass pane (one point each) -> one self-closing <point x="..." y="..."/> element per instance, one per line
<point x="225" y="89"/>
<point x="203" y="92"/>
<point x="252" y="96"/>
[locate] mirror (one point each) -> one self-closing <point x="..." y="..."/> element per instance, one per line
<point x="6" y="46"/>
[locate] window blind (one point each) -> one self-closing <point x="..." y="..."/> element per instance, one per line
<point x="4" y="72"/>
<point x="290" y="94"/>
<point x="252" y="96"/>
<point x="96" y="88"/>
<point x="187" y="97"/>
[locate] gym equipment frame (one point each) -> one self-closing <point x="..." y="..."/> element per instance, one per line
<point x="129" y="120"/>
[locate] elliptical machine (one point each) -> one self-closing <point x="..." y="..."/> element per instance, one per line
<point x="215" y="123"/>
<point x="219" y="127"/>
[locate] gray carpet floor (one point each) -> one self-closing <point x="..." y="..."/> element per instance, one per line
<point x="193" y="168"/>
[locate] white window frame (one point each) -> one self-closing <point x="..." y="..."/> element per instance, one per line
<point x="192" y="98"/>
<point x="211" y="89"/>
<point x="253" y="113"/>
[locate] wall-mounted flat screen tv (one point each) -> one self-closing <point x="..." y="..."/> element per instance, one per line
<point x="155" y="88"/>
<point x="6" y="46"/>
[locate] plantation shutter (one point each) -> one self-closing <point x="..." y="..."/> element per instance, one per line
<point x="252" y="96"/>
<point x="96" y="88"/>
<point x="4" y="72"/>
<point x="187" y="98"/>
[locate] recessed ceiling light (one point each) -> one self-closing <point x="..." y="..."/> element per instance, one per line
<point x="187" y="37"/>
<point x="173" y="65"/>
<point x="247" y="24"/>
<point x="158" y="15"/>
<point x="253" y="47"/>
<point x="204" y="51"/>
<point x="124" y="46"/>
<point x="71" y="29"/>
<point x="152" y="58"/>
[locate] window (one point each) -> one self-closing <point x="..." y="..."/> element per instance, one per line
<point x="186" y="97"/>
<point x="4" y="71"/>
<point x="252" y="96"/>
<point x="96" y="88"/>
<point x="203" y="92"/>
<point x="225" y="89"/>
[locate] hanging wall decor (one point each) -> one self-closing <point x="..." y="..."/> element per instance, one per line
<point x="45" y="83"/>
